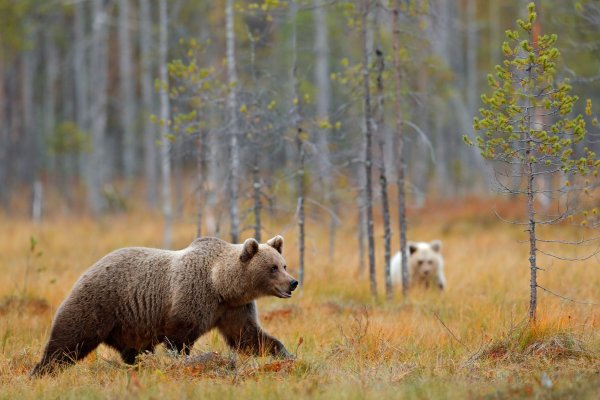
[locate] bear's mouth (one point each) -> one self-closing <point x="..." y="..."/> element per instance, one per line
<point x="283" y="295"/>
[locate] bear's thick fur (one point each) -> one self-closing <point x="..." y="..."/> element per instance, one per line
<point x="135" y="298"/>
<point x="425" y="265"/>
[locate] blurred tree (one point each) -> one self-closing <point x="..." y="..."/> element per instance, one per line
<point x="400" y="160"/>
<point x="98" y="165"/>
<point x="232" y="110"/>
<point x="164" y="123"/>
<point x="296" y="123"/>
<point x="323" y="105"/>
<point x="368" y="130"/>
<point x="149" y="131"/>
<point x="127" y="92"/>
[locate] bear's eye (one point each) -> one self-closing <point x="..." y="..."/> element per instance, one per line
<point x="430" y="262"/>
<point x="274" y="268"/>
<point x="285" y="267"/>
<point x="420" y="262"/>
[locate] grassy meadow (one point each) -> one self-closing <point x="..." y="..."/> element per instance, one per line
<point x="471" y="341"/>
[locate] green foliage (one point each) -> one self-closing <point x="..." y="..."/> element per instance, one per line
<point x="526" y="117"/>
<point x="13" y="27"/>
<point x="67" y="138"/>
<point x="194" y="87"/>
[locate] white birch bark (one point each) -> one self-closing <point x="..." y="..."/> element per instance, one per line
<point x="127" y="89"/>
<point x="165" y="149"/>
<point x="232" y="110"/>
<point x="99" y="70"/>
<point x="150" y="153"/>
<point x="323" y="103"/>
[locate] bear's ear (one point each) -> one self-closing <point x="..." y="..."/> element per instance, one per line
<point x="436" y="245"/>
<point x="249" y="250"/>
<point x="412" y="247"/>
<point x="276" y="243"/>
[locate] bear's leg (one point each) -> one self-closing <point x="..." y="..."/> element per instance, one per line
<point x="441" y="278"/>
<point x="129" y="355"/>
<point x="181" y="336"/>
<point x="64" y="348"/>
<point x="181" y="346"/>
<point x="241" y="330"/>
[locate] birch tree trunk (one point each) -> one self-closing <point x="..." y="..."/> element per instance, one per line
<point x="150" y="153"/>
<point x="232" y="109"/>
<point x="323" y="103"/>
<point x="33" y="148"/>
<point x="80" y="81"/>
<point x="200" y="179"/>
<point x="256" y="186"/>
<point x="164" y="125"/>
<point x="297" y="124"/>
<point x="472" y="97"/>
<point x="4" y="192"/>
<point x="402" y="227"/>
<point x="51" y="62"/>
<point x="127" y="89"/>
<point x="99" y="72"/>
<point x="368" y="148"/>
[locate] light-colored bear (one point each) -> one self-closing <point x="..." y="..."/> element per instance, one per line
<point x="425" y="265"/>
<point x="135" y="298"/>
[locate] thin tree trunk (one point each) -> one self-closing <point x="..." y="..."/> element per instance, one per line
<point x="33" y="151"/>
<point x="164" y="124"/>
<point x="387" y="236"/>
<point x="532" y="240"/>
<point x="530" y="171"/>
<point x="297" y="124"/>
<point x="257" y="193"/>
<point x="368" y="149"/>
<point x="362" y="215"/>
<point x="323" y="100"/>
<point x="99" y="69"/>
<point x="4" y="188"/>
<point x="51" y="64"/>
<point x="200" y="179"/>
<point x="80" y="81"/>
<point x="361" y="232"/>
<point x="471" y="56"/>
<point x="150" y="156"/>
<point x="127" y="88"/>
<point x="232" y="109"/>
<point x="4" y="196"/>
<point x="400" y="138"/>
<point x="177" y="155"/>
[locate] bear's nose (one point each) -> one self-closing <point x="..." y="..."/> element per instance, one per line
<point x="293" y="285"/>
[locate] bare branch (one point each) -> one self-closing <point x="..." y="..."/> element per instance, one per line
<point x="568" y="298"/>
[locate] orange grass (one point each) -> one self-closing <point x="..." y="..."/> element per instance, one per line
<point x="471" y="341"/>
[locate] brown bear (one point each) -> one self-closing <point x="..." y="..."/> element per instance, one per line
<point x="135" y="298"/>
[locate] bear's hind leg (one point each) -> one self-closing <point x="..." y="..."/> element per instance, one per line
<point x="64" y="352"/>
<point x="129" y="355"/>
<point x="182" y="347"/>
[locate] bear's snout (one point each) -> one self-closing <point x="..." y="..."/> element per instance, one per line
<point x="293" y="285"/>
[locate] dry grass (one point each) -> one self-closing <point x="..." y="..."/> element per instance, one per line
<point x="470" y="342"/>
